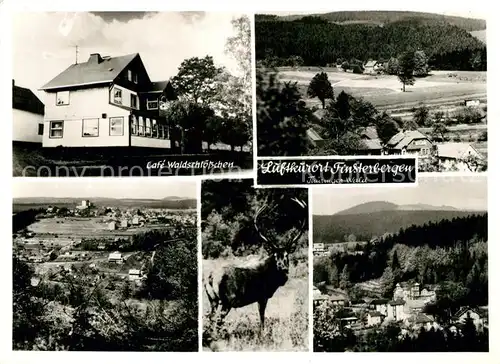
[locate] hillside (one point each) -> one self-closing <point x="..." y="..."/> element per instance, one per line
<point x="334" y="228"/>
<point x="20" y="204"/>
<point x="448" y="47"/>
<point x="378" y="206"/>
<point x="369" y="207"/>
<point x="387" y="17"/>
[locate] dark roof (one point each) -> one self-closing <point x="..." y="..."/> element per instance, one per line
<point x="158" y="86"/>
<point x="403" y="139"/>
<point x="396" y="302"/>
<point x="421" y="318"/>
<point x="24" y="99"/>
<point x="91" y="72"/>
<point x="379" y="301"/>
<point x="369" y="132"/>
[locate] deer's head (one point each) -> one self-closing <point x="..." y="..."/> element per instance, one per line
<point x="280" y="253"/>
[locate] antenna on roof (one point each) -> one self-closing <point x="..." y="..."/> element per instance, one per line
<point x="76" y="54"/>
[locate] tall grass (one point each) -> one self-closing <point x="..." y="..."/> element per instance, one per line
<point x="286" y="325"/>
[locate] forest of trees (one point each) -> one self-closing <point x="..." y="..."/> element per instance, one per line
<point x="228" y="210"/>
<point x="214" y="105"/>
<point x="390" y="339"/>
<point x="86" y="311"/>
<point x="23" y="219"/>
<point x="319" y="43"/>
<point x="334" y="228"/>
<point x="452" y="253"/>
<point x="382" y="17"/>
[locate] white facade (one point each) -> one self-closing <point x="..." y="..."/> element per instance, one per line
<point x="26" y="126"/>
<point x="64" y="124"/>
<point x="139" y="141"/>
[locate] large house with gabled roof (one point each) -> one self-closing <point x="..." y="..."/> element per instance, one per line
<point x="107" y="102"/>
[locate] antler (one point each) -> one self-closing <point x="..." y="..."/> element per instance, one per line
<point x="259" y="211"/>
<point x="302" y="205"/>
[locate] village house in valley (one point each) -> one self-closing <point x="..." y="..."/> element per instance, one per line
<point x="409" y="142"/>
<point x="455" y="155"/>
<point x="27" y="115"/>
<point x="107" y="102"/>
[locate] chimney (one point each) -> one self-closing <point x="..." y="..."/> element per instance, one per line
<point x="95" y="58"/>
<point x="13" y="83"/>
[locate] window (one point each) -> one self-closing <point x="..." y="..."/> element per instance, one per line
<point x="152" y="104"/>
<point x="155" y="129"/>
<point x="135" y="125"/>
<point x="117" y="96"/>
<point x="116" y="126"/>
<point x="141" y="125"/>
<point x="129" y="75"/>
<point x="135" y="78"/>
<point x="40" y="129"/>
<point x="133" y="101"/>
<point x="148" y="127"/>
<point x="56" y="129"/>
<point x="90" y="127"/>
<point x="62" y="98"/>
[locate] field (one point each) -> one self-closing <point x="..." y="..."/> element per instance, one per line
<point x="286" y="317"/>
<point x="74" y="227"/>
<point x="440" y="89"/>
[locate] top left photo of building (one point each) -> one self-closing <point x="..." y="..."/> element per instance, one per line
<point x="120" y="94"/>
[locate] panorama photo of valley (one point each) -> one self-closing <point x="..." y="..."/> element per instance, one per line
<point x="402" y="269"/>
<point x="373" y="83"/>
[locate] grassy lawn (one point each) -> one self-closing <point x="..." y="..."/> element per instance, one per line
<point x="384" y="91"/>
<point x="286" y="317"/>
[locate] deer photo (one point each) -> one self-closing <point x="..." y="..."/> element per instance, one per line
<point x="237" y="285"/>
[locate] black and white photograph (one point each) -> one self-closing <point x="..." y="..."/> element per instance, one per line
<point x="255" y="267"/>
<point x="104" y="266"/>
<point x="120" y="94"/>
<point x="362" y="83"/>
<point x="402" y="269"/>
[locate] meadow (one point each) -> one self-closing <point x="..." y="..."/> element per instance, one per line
<point x="286" y="315"/>
<point x="384" y="91"/>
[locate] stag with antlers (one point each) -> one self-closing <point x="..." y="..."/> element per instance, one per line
<point x="239" y="285"/>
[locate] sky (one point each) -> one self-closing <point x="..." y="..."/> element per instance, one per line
<point x="465" y="193"/>
<point x="147" y="188"/>
<point x="44" y="42"/>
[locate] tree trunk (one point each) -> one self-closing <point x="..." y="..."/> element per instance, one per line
<point x="323" y="103"/>
<point x="404" y="87"/>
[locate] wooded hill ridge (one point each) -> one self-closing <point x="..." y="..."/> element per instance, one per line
<point x="318" y="42"/>
<point x="334" y="228"/>
<point x="379" y="17"/>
